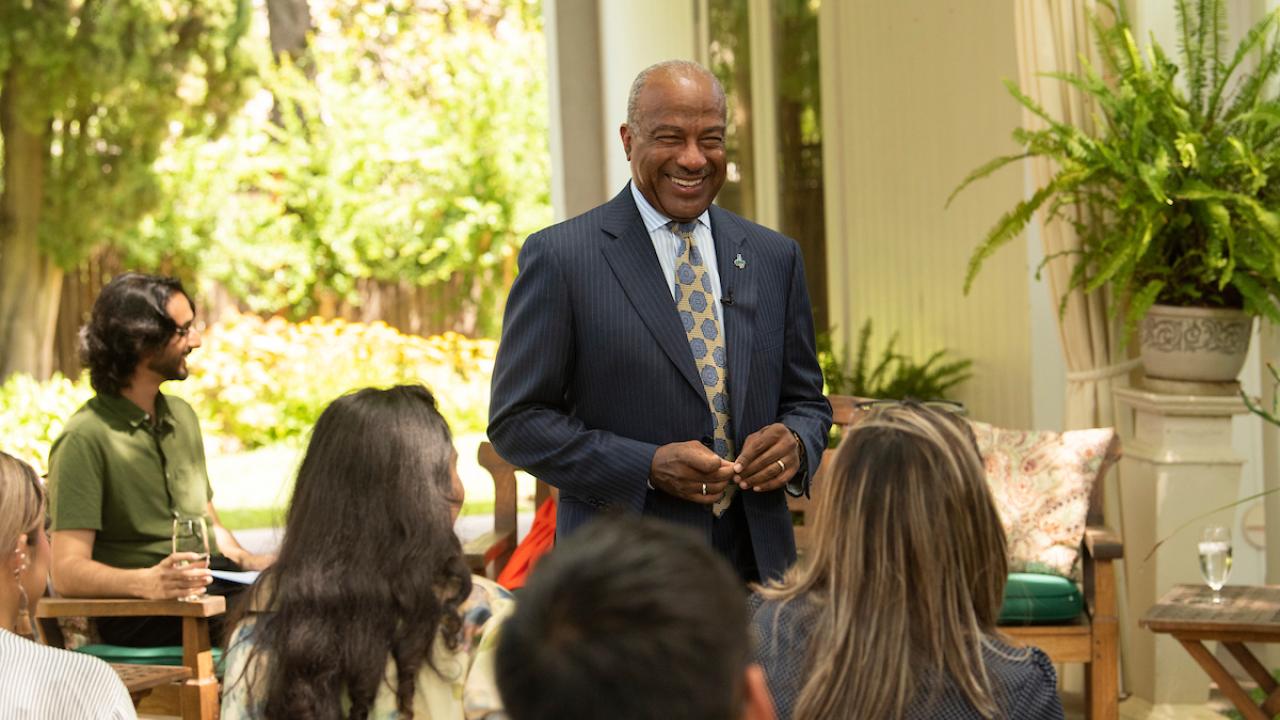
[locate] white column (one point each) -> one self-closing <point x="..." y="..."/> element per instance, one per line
<point x="573" y="63"/>
<point x="1179" y="463"/>
<point x="633" y="36"/>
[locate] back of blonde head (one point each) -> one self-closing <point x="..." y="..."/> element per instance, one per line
<point x="19" y="501"/>
<point x="907" y="568"/>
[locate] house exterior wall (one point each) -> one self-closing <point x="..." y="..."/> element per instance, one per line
<point x="912" y="101"/>
<point x="633" y="36"/>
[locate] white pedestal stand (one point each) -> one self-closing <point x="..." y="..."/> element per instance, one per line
<point x="1178" y="464"/>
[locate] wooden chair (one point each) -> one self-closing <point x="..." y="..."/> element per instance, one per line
<point x="195" y="695"/>
<point x="1093" y="638"/>
<point x="488" y="554"/>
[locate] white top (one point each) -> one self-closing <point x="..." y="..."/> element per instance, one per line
<point x="38" y="682"/>
<point x="670" y="246"/>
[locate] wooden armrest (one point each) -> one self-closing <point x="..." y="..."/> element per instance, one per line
<point x="480" y="551"/>
<point x="1101" y="543"/>
<point x="207" y="606"/>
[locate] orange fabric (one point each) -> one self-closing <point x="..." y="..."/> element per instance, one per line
<point x="541" y="537"/>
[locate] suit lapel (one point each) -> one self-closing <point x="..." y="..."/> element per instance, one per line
<point x="631" y="257"/>
<point x="739" y="315"/>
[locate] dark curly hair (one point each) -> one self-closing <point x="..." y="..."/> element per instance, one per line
<point x="129" y="319"/>
<point x="614" y="622"/>
<point x="370" y="567"/>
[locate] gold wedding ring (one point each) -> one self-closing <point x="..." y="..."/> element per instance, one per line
<point x="704" y="488"/>
<point x="782" y="467"/>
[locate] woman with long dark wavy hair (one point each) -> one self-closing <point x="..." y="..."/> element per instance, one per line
<point x="892" y="613"/>
<point x="370" y="610"/>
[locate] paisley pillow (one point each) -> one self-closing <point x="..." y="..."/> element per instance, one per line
<point x="1041" y="482"/>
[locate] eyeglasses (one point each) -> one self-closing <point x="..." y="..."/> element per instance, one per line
<point x="947" y="406"/>
<point x="184" y="330"/>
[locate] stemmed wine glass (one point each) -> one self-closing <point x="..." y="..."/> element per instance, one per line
<point x="190" y="534"/>
<point x="1215" y="558"/>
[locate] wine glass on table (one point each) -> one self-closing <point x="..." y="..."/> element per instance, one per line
<point x="1215" y="559"/>
<point x="190" y="534"/>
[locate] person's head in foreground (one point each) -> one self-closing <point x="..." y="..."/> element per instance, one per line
<point x="893" y="611"/>
<point x="23" y="544"/>
<point x="631" y="619"/>
<point x="369" y="573"/>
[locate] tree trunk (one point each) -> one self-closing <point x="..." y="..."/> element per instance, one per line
<point x="30" y="282"/>
<point x="289" y="21"/>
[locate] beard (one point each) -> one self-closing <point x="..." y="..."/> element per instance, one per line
<point x="170" y="367"/>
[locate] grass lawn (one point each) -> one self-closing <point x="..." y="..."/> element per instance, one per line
<point x="251" y="489"/>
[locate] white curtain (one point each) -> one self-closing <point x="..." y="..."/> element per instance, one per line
<point x="1052" y="35"/>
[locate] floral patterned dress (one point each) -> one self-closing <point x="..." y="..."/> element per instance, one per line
<point x="465" y="688"/>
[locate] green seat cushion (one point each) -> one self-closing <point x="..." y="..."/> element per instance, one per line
<point x="164" y="655"/>
<point x="1035" y="599"/>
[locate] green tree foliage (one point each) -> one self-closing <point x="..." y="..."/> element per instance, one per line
<point x="117" y="79"/>
<point x="89" y="93"/>
<point x="416" y="152"/>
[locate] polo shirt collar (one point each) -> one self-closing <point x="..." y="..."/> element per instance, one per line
<point x="123" y="408"/>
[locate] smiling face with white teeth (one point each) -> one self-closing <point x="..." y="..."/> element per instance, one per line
<point x="675" y="142"/>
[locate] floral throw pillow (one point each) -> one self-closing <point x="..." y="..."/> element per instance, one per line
<point x="1041" y="482"/>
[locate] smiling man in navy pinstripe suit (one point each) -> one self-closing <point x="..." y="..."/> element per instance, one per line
<point x="657" y="352"/>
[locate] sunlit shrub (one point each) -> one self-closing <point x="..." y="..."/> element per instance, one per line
<point x="262" y="381"/>
<point x="255" y="382"/>
<point x="32" y="414"/>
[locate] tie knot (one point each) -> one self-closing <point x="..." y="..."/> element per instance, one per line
<point x="683" y="229"/>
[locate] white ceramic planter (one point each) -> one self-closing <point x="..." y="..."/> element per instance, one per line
<point x="1194" y="344"/>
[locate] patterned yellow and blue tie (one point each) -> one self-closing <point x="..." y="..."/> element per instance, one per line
<point x="696" y="304"/>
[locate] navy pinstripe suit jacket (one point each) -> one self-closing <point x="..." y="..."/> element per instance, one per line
<point x="594" y="370"/>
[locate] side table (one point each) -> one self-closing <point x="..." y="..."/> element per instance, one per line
<point x="1246" y="614"/>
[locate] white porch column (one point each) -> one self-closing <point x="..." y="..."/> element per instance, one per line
<point x="1179" y="463"/>
<point x="577" y="113"/>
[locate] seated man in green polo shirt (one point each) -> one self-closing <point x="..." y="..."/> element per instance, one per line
<point x="130" y="463"/>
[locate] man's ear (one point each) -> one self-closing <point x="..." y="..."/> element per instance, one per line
<point x="757" y="703"/>
<point x="625" y="133"/>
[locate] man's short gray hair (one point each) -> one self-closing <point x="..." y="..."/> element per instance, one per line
<point x="673" y="67"/>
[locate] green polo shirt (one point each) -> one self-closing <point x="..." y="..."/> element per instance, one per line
<point x="114" y="471"/>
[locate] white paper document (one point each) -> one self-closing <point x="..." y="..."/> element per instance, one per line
<point x="247" y="577"/>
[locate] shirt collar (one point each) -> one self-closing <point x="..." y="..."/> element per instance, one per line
<point x="124" y="408"/>
<point x="653" y="219"/>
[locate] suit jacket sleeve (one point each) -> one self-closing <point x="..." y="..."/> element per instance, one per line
<point x="529" y="421"/>
<point x="802" y="407"/>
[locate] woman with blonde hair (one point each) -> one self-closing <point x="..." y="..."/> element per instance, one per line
<point x="892" y="613"/>
<point x="40" y="681"/>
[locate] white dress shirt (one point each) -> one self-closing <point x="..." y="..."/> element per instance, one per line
<point x="670" y="246"/>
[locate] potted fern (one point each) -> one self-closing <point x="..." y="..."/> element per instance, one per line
<point x="1176" y="189"/>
